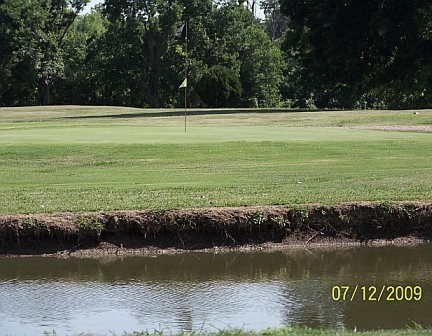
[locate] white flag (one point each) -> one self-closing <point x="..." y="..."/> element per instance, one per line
<point x="183" y="84"/>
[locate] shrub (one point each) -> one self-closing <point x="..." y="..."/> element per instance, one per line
<point x="220" y="87"/>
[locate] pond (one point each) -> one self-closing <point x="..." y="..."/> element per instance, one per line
<point x="205" y="291"/>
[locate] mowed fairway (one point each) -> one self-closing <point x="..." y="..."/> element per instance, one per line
<point x="69" y="158"/>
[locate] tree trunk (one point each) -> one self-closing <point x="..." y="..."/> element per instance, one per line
<point x="155" y="63"/>
<point x="152" y="89"/>
<point x="154" y="79"/>
<point x="45" y="91"/>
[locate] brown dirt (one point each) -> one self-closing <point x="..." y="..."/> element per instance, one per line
<point x="214" y="229"/>
<point x="401" y="128"/>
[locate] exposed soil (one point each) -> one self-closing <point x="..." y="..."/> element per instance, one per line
<point x="214" y="229"/>
<point x="401" y="128"/>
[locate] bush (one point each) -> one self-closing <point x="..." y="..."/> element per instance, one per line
<point x="220" y="87"/>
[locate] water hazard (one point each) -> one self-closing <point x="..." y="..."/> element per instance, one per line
<point x="209" y="292"/>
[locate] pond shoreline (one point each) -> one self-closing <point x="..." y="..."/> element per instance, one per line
<point x="214" y="229"/>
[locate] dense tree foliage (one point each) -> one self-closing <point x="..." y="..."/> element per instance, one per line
<point x="77" y="85"/>
<point x="17" y="64"/>
<point x="34" y="32"/>
<point x="220" y="87"/>
<point x="232" y="37"/>
<point x="125" y="54"/>
<point x="355" y="52"/>
<point x="325" y="54"/>
<point x="275" y="22"/>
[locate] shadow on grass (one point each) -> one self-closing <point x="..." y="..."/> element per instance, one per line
<point x="179" y="113"/>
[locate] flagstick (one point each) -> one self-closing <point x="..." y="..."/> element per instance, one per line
<point x="186" y="73"/>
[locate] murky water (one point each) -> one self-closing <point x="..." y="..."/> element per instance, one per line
<point x="213" y="291"/>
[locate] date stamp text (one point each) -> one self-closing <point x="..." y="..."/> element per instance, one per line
<point x="382" y="293"/>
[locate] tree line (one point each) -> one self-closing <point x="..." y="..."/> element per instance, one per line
<point x="323" y="54"/>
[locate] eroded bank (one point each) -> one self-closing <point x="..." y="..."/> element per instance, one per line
<point x="143" y="232"/>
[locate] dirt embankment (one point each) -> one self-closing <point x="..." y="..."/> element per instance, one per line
<point x="143" y="232"/>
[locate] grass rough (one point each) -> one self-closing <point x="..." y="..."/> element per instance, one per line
<point x="288" y="331"/>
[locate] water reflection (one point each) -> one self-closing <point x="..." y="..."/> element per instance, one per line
<point x="210" y="291"/>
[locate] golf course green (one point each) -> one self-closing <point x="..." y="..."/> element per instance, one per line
<point x="77" y="158"/>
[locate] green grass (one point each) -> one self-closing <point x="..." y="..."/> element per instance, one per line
<point x="285" y="331"/>
<point x="104" y="158"/>
<point x="295" y="331"/>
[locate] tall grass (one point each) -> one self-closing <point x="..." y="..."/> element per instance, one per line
<point x="295" y="331"/>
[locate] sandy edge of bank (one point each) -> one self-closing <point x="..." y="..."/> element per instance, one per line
<point x="215" y="229"/>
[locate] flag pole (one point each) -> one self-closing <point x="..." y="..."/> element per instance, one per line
<point x="186" y="73"/>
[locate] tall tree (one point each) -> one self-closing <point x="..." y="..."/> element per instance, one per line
<point x="33" y="32"/>
<point x="5" y="50"/>
<point x="149" y="25"/>
<point x="76" y="86"/>
<point x="17" y="64"/>
<point x="137" y="62"/>
<point x="355" y="51"/>
<point x="56" y="17"/>
<point x="275" y="22"/>
<point x="232" y="37"/>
